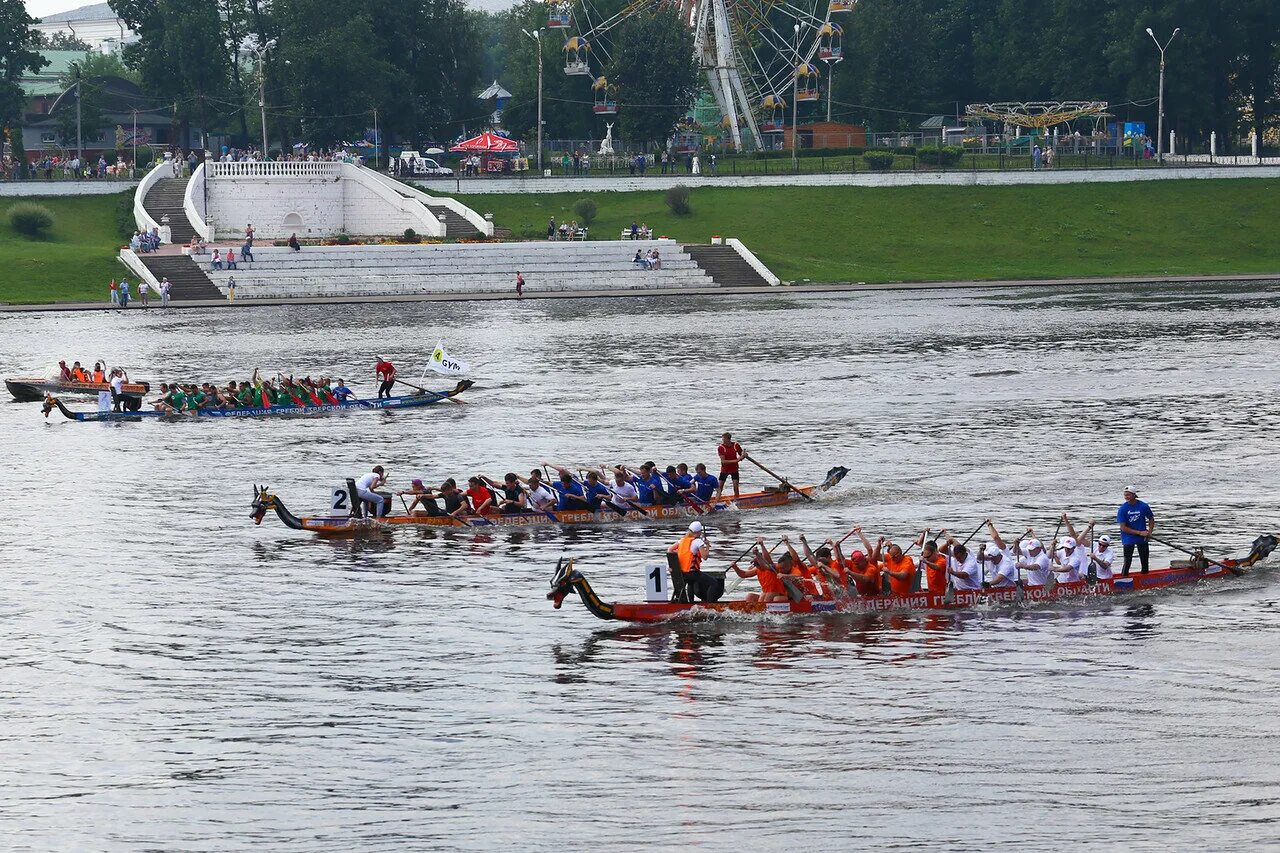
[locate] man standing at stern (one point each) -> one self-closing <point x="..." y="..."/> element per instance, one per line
<point x="1137" y="523"/>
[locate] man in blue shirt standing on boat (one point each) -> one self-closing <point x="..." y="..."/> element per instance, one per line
<point x="1137" y="523"/>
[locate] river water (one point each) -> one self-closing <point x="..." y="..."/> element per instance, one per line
<point x="176" y="678"/>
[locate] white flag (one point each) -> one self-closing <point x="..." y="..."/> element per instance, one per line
<point x="441" y="363"/>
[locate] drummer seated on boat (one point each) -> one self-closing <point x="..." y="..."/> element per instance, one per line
<point x="365" y="487"/>
<point x="764" y="570"/>
<point x="512" y="496"/>
<point x="684" y="560"/>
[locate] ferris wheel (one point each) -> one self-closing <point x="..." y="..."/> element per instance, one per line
<point x="753" y="53"/>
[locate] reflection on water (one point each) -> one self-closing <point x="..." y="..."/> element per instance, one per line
<point x="175" y="677"/>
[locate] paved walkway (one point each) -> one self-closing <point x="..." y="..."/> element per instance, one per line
<point x="782" y="290"/>
<point x="957" y="177"/>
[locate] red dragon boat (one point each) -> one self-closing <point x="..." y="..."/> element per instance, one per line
<point x="346" y="525"/>
<point x="567" y="579"/>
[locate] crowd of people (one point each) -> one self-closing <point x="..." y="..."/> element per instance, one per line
<point x="618" y="489"/>
<point x="649" y="260"/>
<point x="885" y="568"/>
<point x="566" y="230"/>
<point x="253" y="393"/>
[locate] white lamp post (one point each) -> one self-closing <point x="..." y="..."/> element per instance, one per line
<point x="795" y="101"/>
<point x="536" y="35"/>
<point x="1160" y="118"/>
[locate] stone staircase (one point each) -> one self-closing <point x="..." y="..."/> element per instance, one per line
<point x="455" y="226"/>
<point x="165" y="199"/>
<point x="189" y="280"/>
<point x="725" y="266"/>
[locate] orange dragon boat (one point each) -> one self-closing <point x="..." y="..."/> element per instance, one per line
<point x="265" y="501"/>
<point x="32" y="389"/>
<point x="1198" y="569"/>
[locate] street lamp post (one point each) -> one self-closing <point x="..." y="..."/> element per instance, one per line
<point x="261" y="53"/>
<point x="1160" y="109"/>
<point x="831" y="82"/>
<point x="795" y="101"/>
<point x="536" y="35"/>
<point x="79" y="140"/>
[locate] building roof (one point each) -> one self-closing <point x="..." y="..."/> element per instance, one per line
<point x="92" y="12"/>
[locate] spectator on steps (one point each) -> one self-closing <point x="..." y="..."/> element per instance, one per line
<point x="639" y="258"/>
<point x="294" y="244"/>
<point x="246" y="251"/>
<point x="231" y="259"/>
<point x="231" y="289"/>
<point x="519" y="284"/>
<point x="217" y="259"/>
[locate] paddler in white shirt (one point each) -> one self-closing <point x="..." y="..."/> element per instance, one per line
<point x="965" y="572"/>
<point x="1101" y="555"/>
<point x="1035" y="560"/>
<point x="624" y="493"/>
<point x="541" y="499"/>
<point x="999" y="569"/>
<point x="1071" y="563"/>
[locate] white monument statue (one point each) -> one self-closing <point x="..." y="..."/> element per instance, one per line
<point x="606" y="144"/>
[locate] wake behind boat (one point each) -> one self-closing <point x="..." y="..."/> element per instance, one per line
<point x="567" y="579"/>
<point x="407" y="401"/>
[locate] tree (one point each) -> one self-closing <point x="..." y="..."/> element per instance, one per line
<point x="652" y="64"/>
<point x="63" y="41"/>
<point x="565" y="112"/>
<point x="19" y="54"/>
<point x="89" y="93"/>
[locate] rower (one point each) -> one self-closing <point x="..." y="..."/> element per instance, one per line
<point x="1071" y="564"/>
<point x="1137" y="523"/>
<point x="864" y="566"/>
<point x="646" y="482"/>
<point x="763" y="570"/>
<point x="420" y="496"/>
<point x="705" y="485"/>
<point x="341" y="391"/>
<point x="1036" y="560"/>
<point x="541" y="498"/>
<point x="64" y="372"/>
<point x="829" y="565"/>
<point x="806" y="573"/>
<point x="78" y="374"/>
<point x="730" y="453"/>
<point x="934" y="563"/>
<point x="999" y="569"/>
<point x="964" y="571"/>
<point x="512" y="495"/>
<point x="683" y="563"/>
<point x="479" y="495"/>
<point x="386" y="373"/>
<point x="900" y="569"/>
<point x="99" y="373"/>
<point x="1101" y="555"/>
<point x="365" y="491"/>
<point x="668" y="490"/>
<point x="624" y="492"/>
<point x="570" y="493"/>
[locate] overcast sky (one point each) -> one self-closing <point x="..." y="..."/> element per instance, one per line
<point x="38" y="8"/>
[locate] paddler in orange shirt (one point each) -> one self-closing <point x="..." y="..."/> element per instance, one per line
<point x="900" y="570"/>
<point x="807" y="575"/>
<point x="934" y="563"/>
<point x="828" y="565"/>
<point x="765" y="571"/>
<point x="864" y="566"/>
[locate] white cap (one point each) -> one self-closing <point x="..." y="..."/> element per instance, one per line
<point x="1131" y="490"/>
<point x="1032" y="544"/>
<point x="993" y="552"/>
<point x="1068" y="542"/>
<point x="696" y="527"/>
<point x="1104" y="539"/>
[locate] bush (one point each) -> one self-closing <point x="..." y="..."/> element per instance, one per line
<point x="677" y="199"/>
<point x="343" y="239"/>
<point x="586" y="210"/>
<point x="879" y="161"/>
<point x="948" y="155"/>
<point x="30" y="219"/>
<point x="807" y="152"/>
<point x="410" y="235"/>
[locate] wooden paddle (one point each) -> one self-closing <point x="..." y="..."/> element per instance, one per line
<point x="435" y="394"/>
<point x="786" y="483"/>
<point x="1052" y="582"/>
<point x="1235" y="570"/>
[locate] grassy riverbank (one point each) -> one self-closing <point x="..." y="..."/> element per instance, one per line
<point x="822" y="234"/>
<point x="74" y="261"/>
<point x="1190" y="227"/>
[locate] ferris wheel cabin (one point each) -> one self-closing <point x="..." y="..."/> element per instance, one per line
<point x="576" y="51"/>
<point x="831" y="41"/>
<point x="604" y="102"/>
<point x="807" y="77"/>
<point x="559" y="18"/>
<point x="841" y="5"/>
<point x="773" y="112"/>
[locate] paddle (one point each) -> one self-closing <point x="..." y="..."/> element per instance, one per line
<point x="802" y="494"/>
<point x="1200" y="554"/>
<point x="737" y="582"/>
<point x="435" y="394"/>
<point x="492" y="484"/>
<point x="1052" y="583"/>
<point x="950" y="595"/>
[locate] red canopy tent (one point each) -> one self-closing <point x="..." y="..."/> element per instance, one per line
<point x="487" y="143"/>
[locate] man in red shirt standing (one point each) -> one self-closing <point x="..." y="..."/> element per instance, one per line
<point x="386" y="375"/>
<point x="731" y="453"/>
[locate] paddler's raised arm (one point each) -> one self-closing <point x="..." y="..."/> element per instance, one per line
<point x="791" y="549"/>
<point x="808" y="552"/>
<point x="995" y="534"/>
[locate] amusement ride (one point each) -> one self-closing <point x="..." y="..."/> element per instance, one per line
<point x="755" y="54"/>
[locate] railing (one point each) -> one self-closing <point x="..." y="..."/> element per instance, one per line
<point x="407" y="204"/>
<point x="752" y="261"/>
<point x="146" y="278"/>
<point x="162" y="170"/>
<point x="193" y="204"/>
<point x="269" y="169"/>
<point x="481" y="224"/>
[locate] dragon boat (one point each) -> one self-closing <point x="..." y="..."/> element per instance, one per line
<point x="33" y="390"/>
<point x="567" y="579"/>
<point x="407" y="401"/>
<point x="265" y="501"/>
